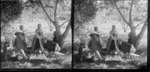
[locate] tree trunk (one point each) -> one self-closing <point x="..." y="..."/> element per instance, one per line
<point x="58" y="34"/>
<point x="140" y="35"/>
<point x="60" y="37"/>
<point x="132" y="35"/>
<point x="135" y="39"/>
<point x="65" y="34"/>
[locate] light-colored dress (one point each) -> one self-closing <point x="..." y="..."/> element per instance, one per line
<point x="111" y="45"/>
<point x="113" y="33"/>
<point x="39" y="32"/>
<point x="36" y="44"/>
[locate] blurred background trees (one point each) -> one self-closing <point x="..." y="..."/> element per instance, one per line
<point x="131" y="15"/>
<point x="57" y="13"/>
<point x="10" y="11"/>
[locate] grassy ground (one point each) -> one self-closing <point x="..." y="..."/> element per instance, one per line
<point x="61" y="63"/>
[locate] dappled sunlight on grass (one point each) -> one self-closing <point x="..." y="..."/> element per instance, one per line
<point x="134" y="64"/>
<point x="59" y="63"/>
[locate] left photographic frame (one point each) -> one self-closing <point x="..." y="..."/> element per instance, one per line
<point x="36" y="34"/>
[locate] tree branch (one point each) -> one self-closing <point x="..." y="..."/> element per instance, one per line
<point x="64" y="23"/>
<point x="46" y="13"/>
<point x="130" y="12"/>
<point x="55" y="11"/>
<point x="121" y="14"/>
<point x="140" y="24"/>
<point x="76" y="27"/>
<point x="50" y="26"/>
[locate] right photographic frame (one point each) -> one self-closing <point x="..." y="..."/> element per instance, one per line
<point x="110" y="34"/>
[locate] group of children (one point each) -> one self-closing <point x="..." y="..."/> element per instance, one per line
<point x="39" y="43"/>
<point x="97" y="50"/>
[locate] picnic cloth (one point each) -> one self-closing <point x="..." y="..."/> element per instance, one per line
<point x="114" y="58"/>
<point x="39" y="57"/>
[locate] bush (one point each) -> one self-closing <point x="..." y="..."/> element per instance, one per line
<point x="10" y="10"/>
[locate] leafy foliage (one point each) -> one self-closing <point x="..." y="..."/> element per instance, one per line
<point x="10" y="10"/>
<point x="85" y="10"/>
<point x="63" y="12"/>
<point x="140" y="11"/>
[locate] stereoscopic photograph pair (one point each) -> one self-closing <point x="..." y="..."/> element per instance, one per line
<point x="74" y="34"/>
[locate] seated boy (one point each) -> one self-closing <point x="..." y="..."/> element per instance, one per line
<point x="84" y="55"/>
<point x="126" y="47"/>
<point x="51" y="46"/>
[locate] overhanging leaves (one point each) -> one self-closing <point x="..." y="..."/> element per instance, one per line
<point x="10" y="10"/>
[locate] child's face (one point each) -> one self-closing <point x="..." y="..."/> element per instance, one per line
<point x="119" y="42"/>
<point x="7" y="44"/>
<point x="44" y="40"/>
<point x="113" y="27"/>
<point x="96" y="29"/>
<point x="82" y="46"/>
<point x="91" y="37"/>
<point x="21" y="27"/>
<point x="39" y="26"/>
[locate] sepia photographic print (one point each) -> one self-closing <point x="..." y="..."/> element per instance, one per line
<point x="110" y="34"/>
<point x="36" y="34"/>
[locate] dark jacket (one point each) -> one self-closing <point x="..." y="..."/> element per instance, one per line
<point x="95" y="43"/>
<point x="125" y="47"/>
<point x="50" y="46"/>
<point x="55" y="39"/>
